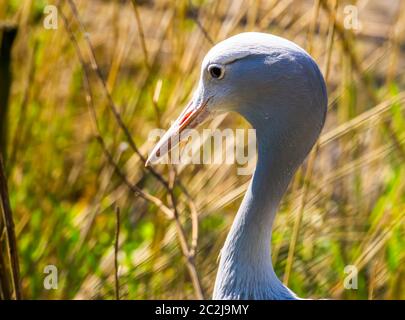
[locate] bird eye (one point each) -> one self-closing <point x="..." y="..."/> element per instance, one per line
<point x="216" y="71"/>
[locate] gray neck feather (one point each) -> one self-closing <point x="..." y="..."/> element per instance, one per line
<point x="245" y="269"/>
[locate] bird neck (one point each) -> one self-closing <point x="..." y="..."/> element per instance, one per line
<point x="245" y="269"/>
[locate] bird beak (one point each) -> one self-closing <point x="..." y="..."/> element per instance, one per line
<point x="194" y="114"/>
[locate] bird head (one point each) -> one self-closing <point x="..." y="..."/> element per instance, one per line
<point x="253" y="74"/>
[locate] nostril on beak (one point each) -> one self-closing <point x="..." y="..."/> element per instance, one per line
<point x="186" y="117"/>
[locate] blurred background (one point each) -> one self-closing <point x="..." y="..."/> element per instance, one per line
<point x="78" y="100"/>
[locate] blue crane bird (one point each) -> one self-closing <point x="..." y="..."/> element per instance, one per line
<point x="279" y="89"/>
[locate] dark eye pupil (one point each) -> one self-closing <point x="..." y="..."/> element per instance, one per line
<point x="215" y="72"/>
